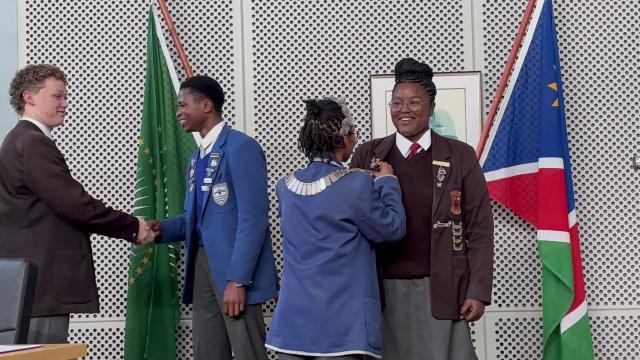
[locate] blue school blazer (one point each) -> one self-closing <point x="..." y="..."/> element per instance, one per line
<point x="329" y="299"/>
<point x="235" y="222"/>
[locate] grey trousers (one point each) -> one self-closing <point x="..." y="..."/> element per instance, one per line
<point x="48" y="329"/>
<point x="411" y="332"/>
<point x="215" y="335"/>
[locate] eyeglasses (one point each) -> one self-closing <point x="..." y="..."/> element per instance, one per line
<point x="355" y="132"/>
<point x="413" y="105"/>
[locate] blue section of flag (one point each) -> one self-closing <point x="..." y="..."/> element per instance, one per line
<point x="533" y="125"/>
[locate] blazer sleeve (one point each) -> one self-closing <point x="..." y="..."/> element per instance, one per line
<point x="380" y="215"/>
<point x="248" y="172"/>
<point x="173" y="230"/>
<point x="47" y="175"/>
<point x="478" y="220"/>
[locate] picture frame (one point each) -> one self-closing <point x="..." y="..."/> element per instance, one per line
<point x="450" y="119"/>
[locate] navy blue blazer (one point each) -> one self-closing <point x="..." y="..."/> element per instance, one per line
<point x="235" y="222"/>
<point x="329" y="299"/>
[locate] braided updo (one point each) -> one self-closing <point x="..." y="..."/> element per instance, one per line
<point x="326" y="122"/>
<point x="409" y="70"/>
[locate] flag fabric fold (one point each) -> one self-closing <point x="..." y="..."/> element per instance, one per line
<point x="153" y="302"/>
<point x="527" y="167"/>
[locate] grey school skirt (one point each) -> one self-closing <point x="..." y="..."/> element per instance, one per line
<point x="410" y="332"/>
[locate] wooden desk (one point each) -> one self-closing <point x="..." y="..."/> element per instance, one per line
<point x="48" y="352"/>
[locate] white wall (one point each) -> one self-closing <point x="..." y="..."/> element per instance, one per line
<point x="8" y="62"/>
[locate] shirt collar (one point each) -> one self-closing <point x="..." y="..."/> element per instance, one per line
<point x="207" y="142"/>
<point x="40" y="126"/>
<point x="403" y="144"/>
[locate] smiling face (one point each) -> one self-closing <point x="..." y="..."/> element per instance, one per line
<point x="411" y="123"/>
<point x="48" y="104"/>
<point x="194" y="112"/>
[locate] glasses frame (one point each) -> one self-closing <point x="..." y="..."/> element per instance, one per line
<point x="411" y="105"/>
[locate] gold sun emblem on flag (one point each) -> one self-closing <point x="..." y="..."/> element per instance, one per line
<point x="554" y="87"/>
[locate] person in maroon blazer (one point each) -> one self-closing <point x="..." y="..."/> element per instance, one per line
<point x="439" y="276"/>
<point x="46" y="215"/>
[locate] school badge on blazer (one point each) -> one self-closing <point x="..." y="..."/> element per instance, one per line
<point x="220" y="193"/>
<point x="456" y="199"/>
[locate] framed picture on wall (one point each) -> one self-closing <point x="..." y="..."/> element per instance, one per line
<point x="458" y="106"/>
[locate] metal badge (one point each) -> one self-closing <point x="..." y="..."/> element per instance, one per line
<point x="207" y="180"/>
<point x="456" y="200"/>
<point x="214" y="162"/>
<point x="220" y="193"/>
<point x="441" y="163"/>
<point x="439" y="224"/>
<point x="204" y="188"/>
<point x="456" y="236"/>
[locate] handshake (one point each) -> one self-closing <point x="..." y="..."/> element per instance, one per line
<point x="147" y="231"/>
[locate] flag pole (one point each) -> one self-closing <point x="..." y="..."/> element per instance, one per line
<point x="497" y="98"/>
<point x="174" y="36"/>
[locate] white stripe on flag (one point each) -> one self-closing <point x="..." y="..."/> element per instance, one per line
<point x="511" y="171"/>
<point x="573" y="218"/>
<point x="514" y="77"/>
<point x="573" y="317"/>
<point x="551" y="163"/>
<point x="522" y="169"/>
<point x="165" y="52"/>
<point x="553" y="235"/>
<point x="170" y="66"/>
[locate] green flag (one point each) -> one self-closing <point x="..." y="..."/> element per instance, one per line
<point x="153" y="303"/>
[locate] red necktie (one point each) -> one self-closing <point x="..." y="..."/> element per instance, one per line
<point x="413" y="150"/>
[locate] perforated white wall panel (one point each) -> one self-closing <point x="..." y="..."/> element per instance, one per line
<point x="270" y="55"/>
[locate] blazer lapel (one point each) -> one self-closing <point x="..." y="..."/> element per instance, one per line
<point x="441" y="168"/>
<point x="214" y="162"/>
<point x="190" y="205"/>
<point x="383" y="148"/>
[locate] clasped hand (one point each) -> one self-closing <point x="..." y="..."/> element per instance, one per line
<point x="147" y="231"/>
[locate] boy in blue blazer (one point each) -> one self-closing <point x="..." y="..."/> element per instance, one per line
<point x="230" y="268"/>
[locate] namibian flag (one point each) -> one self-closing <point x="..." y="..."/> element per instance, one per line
<point x="527" y="168"/>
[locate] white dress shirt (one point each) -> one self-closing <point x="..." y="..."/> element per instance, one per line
<point x="403" y="144"/>
<point x="207" y="142"/>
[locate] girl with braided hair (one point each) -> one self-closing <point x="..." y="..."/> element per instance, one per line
<point x="438" y="278"/>
<point x="329" y="304"/>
